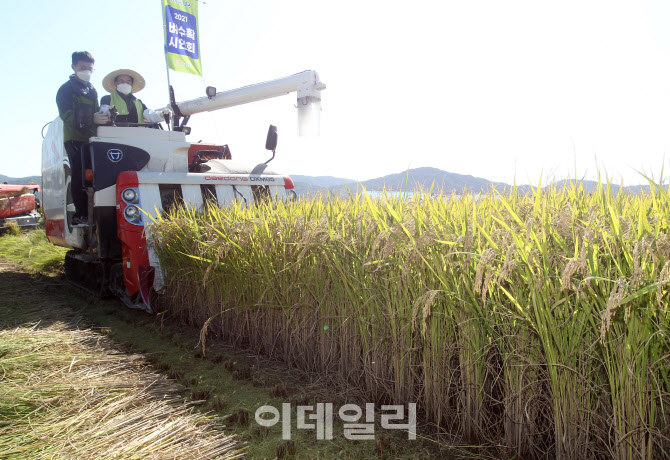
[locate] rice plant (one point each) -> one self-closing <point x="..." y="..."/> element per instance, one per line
<point x="537" y="322"/>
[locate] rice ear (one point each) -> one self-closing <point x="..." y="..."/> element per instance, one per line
<point x="203" y="330"/>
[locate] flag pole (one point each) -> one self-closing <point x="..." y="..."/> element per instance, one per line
<point x="165" y="51"/>
<point x="170" y="91"/>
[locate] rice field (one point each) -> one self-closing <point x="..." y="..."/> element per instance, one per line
<point x="534" y="323"/>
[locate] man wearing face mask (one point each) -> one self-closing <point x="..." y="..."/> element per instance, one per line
<point x="78" y="107"/>
<point x="122" y="84"/>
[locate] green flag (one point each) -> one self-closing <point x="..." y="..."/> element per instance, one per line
<point x="180" y="18"/>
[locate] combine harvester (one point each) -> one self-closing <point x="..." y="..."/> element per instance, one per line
<point x="133" y="173"/>
<point x="19" y="205"/>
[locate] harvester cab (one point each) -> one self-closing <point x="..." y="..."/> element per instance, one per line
<point x="132" y="174"/>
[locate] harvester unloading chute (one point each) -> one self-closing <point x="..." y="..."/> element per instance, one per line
<point x="306" y="84"/>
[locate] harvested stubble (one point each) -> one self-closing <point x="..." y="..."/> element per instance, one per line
<point x="537" y="322"/>
<point x="64" y="393"/>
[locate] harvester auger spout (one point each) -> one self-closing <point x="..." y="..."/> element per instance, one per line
<point x="306" y="84"/>
<point x="133" y="174"/>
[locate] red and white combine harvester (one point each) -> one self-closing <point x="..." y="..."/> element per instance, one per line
<point x="19" y="205"/>
<point x="133" y="173"/>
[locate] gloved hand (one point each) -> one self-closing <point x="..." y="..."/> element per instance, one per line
<point x="156" y="116"/>
<point x="100" y="118"/>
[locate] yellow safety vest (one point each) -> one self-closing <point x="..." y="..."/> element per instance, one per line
<point x="120" y="104"/>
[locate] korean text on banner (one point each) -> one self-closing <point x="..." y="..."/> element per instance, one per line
<point x="181" y="39"/>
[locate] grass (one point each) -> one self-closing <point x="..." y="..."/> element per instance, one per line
<point x="11" y="228"/>
<point x="32" y="251"/>
<point x="535" y="322"/>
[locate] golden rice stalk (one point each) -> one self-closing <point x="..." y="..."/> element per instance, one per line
<point x="616" y="296"/>
<point x="663" y="279"/>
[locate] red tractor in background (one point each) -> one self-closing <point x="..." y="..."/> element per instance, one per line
<point x="19" y="205"/>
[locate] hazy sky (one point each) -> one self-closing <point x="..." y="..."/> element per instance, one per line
<point x="495" y="89"/>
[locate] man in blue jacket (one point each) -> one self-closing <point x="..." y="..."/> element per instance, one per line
<point x="78" y="107"/>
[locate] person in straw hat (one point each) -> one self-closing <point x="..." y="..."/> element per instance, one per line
<point x="121" y="85"/>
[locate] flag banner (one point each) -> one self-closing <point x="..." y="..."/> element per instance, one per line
<point x="181" y="35"/>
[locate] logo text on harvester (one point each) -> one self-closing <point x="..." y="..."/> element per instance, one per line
<point x="262" y="179"/>
<point x="319" y="418"/>
<point x="227" y="178"/>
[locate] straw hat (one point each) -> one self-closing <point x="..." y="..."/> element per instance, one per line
<point x="108" y="81"/>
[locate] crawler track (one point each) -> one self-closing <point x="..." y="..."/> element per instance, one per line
<point x="89" y="275"/>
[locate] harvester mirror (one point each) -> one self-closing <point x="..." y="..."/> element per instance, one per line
<point x="210" y="91"/>
<point x="271" y="141"/>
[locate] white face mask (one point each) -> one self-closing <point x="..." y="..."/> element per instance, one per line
<point x="124" y="88"/>
<point x="84" y="75"/>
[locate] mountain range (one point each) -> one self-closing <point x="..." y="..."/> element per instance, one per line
<point x="21" y="180"/>
<point x="423" y="179"/>
<point x="410" y="180"/>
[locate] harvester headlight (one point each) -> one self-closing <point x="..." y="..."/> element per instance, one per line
<point x="129" y="195"/>
<point x="133" y="214"/>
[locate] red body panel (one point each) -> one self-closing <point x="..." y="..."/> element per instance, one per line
<point x="195" y="148"/>
<point x="55" y="230"/>
<point x="133" y="242"/>
<point x="16" y="199"/>
<point x="16" y="205"/>
<point x="134" y="254"/>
